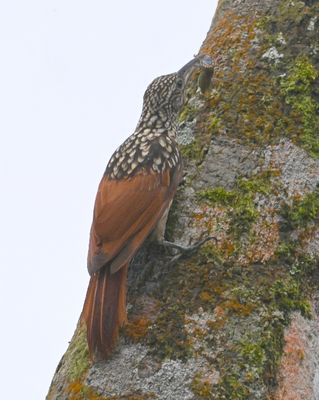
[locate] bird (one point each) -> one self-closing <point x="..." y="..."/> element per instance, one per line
<point x="132" y="204"/>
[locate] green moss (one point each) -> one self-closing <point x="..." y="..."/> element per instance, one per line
<point x="253" y="107"/>
<point x="218" y="195"/>
<point x="301" y="90"/>
<point x="254" y="357"/>
<point x="260" y="183"/>
<point x="301" y="212"/>
<point x="286" y="251"/>
<point x="78" y="355"/>
<point x="293" y="10"/>
<point x="303" y="267"/>
<point x="244" y="214"/>
<point x="240" y="200"/>
<point x="306" y="266"/>
<point x="192" y="151"/>
<point x="289" y="296"/>
<point x="187" y="114"/>
<point x="242" y="209"/>
<point x="300" y="78"/>
<point x="214" y="123"/>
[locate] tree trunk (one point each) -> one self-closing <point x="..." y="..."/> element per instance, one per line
<point x="238" y="319"/>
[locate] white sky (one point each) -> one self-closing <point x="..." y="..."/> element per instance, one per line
<point x="72" y="77"/>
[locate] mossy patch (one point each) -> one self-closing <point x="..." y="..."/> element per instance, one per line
<point x="187" y="114"/>
<point x="289" y="297"/>
<point x="193" y="151"/>
<point x="241" y="207"/>
<point x="240" y="200"/>
<point x="78" y="354"/>
<point x="301" y="212"/>
<point x="300" y="88"/>
<point x="218" y="195"/>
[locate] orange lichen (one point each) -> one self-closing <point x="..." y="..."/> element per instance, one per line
<point x="215" y="325"/>
<point x="236" y="307"/>
<point x="78" y="391"/>
<point x="137" y="328"/>
<point x="205" y="296"/>
<point x="75" y="387"/>
<point x="226" y="35"/>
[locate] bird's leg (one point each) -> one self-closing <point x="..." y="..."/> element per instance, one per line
<point x="184" y="250"/>
<point x="187" y="249"/>
<point x="158" y="236"/>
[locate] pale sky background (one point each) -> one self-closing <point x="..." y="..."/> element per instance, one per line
<point x="72" y="77"/>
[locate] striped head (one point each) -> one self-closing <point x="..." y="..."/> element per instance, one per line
<point x="165" y="96"/>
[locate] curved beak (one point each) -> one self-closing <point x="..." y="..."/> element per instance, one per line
<point x="201" y="61"/>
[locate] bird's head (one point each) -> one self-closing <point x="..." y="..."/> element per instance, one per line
<point x="165" y="96"/>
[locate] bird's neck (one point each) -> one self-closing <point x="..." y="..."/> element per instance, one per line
<point x="162" y="120"/>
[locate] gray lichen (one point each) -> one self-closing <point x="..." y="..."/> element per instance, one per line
<point x="124" y="375"/>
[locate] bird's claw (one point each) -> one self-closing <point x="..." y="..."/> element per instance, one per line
<point x="186" y="250"/>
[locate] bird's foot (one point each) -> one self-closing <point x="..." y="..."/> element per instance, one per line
<point x="185" y="250"/>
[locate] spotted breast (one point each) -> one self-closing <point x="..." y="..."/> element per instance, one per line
<point x="147" y="150"/>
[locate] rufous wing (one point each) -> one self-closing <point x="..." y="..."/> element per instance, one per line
<point x="125" y="213"/>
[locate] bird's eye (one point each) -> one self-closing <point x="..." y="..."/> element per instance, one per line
<point x="179" y="83"/>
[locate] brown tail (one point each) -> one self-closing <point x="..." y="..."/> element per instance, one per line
<point x="104" y="310"/>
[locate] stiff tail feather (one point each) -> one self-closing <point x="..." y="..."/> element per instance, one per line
<point x="104" y="310"/>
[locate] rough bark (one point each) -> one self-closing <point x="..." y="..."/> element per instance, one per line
<point x="237" y="320"/>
